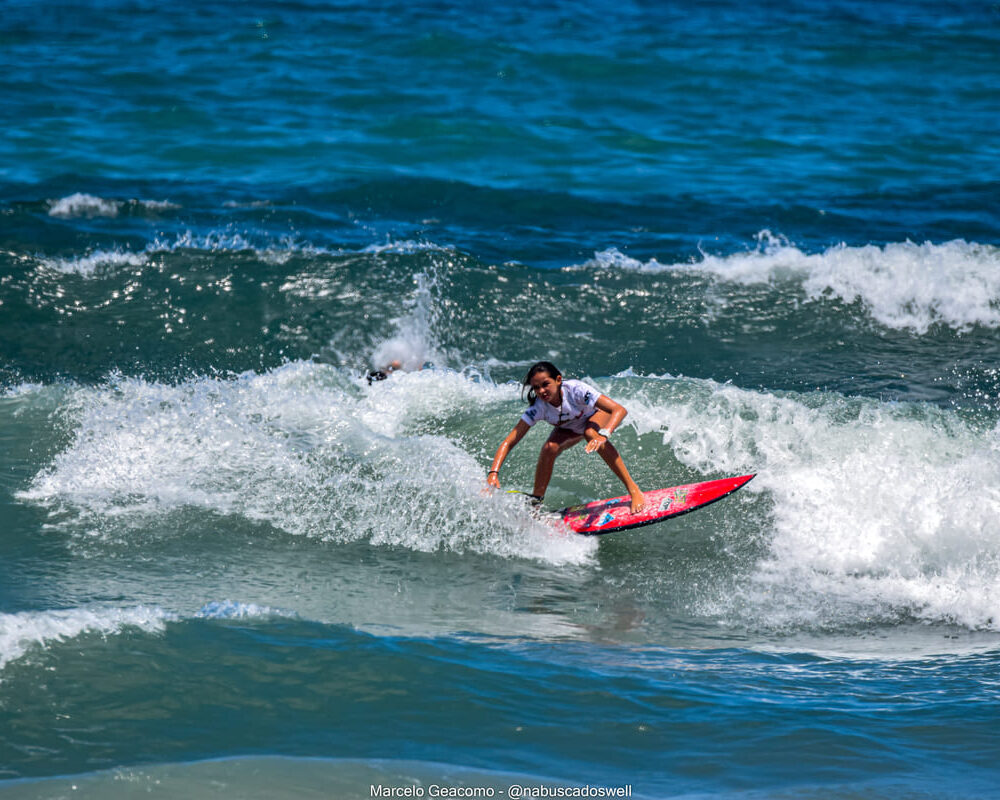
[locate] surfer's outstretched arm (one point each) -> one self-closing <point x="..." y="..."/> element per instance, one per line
<point x="511" y="439"/>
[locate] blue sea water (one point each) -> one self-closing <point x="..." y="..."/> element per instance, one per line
<point x="230" y="567"/>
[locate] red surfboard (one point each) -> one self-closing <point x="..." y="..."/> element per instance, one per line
<point x="606" y="516"/>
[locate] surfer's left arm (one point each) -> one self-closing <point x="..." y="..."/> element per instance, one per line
<point x="617" y="413"/>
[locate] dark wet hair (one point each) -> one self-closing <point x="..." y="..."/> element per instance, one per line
<point x="541" y="366"/>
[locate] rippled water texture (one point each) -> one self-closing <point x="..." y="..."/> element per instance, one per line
<point x="231" y="567"/>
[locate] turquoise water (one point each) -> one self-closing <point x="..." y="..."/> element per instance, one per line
<point x="229" y="567"/>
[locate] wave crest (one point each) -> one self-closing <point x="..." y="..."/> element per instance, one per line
<point x="306" y="448"/>
<point x="879" y="511"/>
<point x="902" y="285"/>
<point x="25" y="629"/>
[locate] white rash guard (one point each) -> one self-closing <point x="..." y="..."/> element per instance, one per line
<point x="579" y="402"/>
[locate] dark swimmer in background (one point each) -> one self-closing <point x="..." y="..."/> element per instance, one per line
<point x="384" y="372"/>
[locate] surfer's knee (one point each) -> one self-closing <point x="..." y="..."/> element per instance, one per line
<point x="550" y="449"/>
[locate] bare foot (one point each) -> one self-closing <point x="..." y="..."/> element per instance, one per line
<point x="638" y="502"/>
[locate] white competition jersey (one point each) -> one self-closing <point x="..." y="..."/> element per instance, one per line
<point x="579" y="402"/>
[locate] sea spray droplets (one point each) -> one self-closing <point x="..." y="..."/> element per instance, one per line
<point x="304" y="448"/>
<point x="414" y="341"/>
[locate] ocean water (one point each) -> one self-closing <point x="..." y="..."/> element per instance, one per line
<point x="229" y="567"/>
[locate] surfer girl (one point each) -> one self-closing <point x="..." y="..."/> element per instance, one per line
<point x="576" y="411"/>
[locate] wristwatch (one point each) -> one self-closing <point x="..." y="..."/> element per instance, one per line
<point x="604" y="432"/>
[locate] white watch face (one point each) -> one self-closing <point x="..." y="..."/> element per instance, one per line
<point x="604" y="432"/>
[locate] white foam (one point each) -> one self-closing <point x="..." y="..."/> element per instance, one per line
<point x="23" y="390"/>
<point x="216" y="241"/>
<point x="21" y="631"/>
<point x="87" y="205"/>
<point x="304" y="448"/>
<point x="903" y="285"/>
<point x="613" y="258"/>
<point x="89" y="264"/>
<point x="83" y="205"/>
<point x="392" y="404"/>
<point x="880" y="511"/>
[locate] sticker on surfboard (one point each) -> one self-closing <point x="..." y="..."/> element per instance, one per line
<point x="606" y="516"/>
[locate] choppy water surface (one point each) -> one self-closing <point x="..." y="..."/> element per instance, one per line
<point x="231" y="567"/>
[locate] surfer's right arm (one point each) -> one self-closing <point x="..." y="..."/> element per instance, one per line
<point x="512" y="438"/>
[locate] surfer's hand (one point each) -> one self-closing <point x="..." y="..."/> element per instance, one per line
<point x="596" y="443"/>
<point x="493" y="479"/>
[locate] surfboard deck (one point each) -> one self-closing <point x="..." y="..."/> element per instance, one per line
<point x="607" y="516"/>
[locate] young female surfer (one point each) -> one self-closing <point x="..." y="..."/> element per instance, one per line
<point x="577" y="411"/>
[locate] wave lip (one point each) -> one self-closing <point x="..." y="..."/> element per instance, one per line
<point x="22" y="630"/>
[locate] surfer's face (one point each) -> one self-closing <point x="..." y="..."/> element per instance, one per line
<point x="547" y="387"/>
